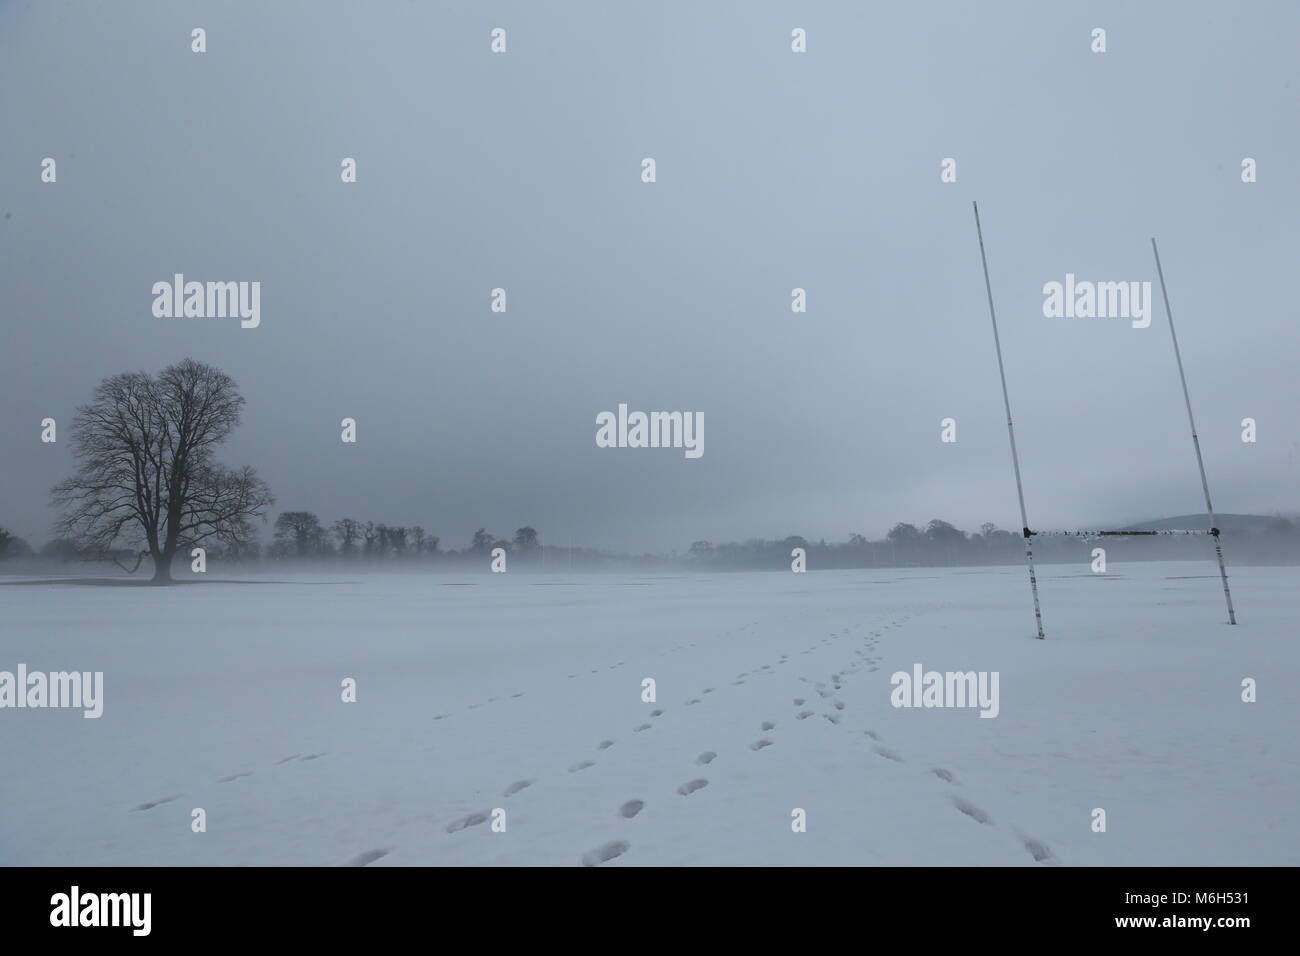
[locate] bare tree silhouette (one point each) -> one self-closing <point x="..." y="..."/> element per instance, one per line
<point x="300" y="533"/>
<point x="146" y="475"/>
<point x="348" y="531"/>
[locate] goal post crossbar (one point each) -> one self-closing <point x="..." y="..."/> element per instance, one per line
<point x="1119" y="534"/>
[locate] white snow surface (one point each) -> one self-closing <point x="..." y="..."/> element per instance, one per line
<point x="227" y="696"/>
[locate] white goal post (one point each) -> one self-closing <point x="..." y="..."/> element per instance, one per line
<point x="1028" y="534"/>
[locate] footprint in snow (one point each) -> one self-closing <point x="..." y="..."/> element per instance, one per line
<point x="760" y="744"/>
<point x="944" y="775"/>
<point x="1039" y="850"/>
<point x="155" y="803"/>
<point x="604" y="745"/>
<point x="515" y="787"/>
<point x="605" y="853"/>
<point x="798" y="701"/>
<point x="631" y="808"/>
<point x="363" y="859"/>
<point x="706" y="758"/>
<point x="686" y="789"/>
<point x="803" y="715"/>
<point x="887" y="753"/>
<point x="972" y="811"/>
<point x="235" y="776"/>
<point x="473" y="820"/>
<point x="637" y="730"/>
<point x="693" y="700"/>
<point x="582" y="765"/>
<point x="658" y="712"/>
<point x="769" y="725"/>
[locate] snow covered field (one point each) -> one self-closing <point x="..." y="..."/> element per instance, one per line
<point x="524" y="693"/>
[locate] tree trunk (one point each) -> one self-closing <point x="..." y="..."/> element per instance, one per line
<point x="162" y="569"/>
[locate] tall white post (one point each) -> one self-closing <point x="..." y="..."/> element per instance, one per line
<point x="1011" y="431"/>
<point x="1196" y="442"/>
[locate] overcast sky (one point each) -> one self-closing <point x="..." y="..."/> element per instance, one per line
<point x="775" y="170"/>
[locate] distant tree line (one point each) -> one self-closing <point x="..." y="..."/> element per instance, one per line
<point x="302" y="537"/>
<point x="906" y="545"/>
<point x="940" y="544"/>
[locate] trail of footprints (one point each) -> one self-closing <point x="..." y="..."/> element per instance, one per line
<point x="616" y="848"/>
<point x="231" y="778"/>
<point x="599" y="855"/>
<point x="1036" y="848"/>
<point x="835" y="707"/>
<point x="611" y="850"/>
<point x="595" y="857"/>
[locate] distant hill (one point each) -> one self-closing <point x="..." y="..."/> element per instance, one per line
<point x="1226" y="522"/>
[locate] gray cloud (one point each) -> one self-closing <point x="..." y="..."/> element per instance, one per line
<point x="775" y="171"/>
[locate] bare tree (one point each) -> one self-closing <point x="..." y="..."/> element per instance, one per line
<point x="397" y="540"/>
<point x="12" y="546"/>
<point x="146" y="475"/>
<point x="383" y="540"/>
<point x="301" y="533"/>
<point x="348" y="531"/>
